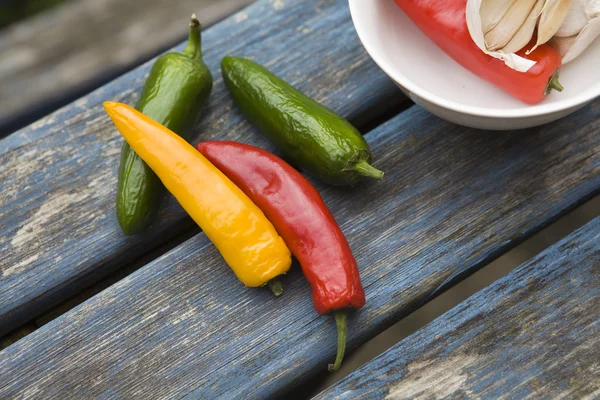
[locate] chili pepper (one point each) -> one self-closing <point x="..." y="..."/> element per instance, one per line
<point x="301" y="217"/>
<point x="311" y="135"/>
<point x="178" y="86"/>
<point x="444" y="22"/>
<point x="247" y="240"/>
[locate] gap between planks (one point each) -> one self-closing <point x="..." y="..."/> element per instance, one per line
<point x="87" y="258"/>
<point x="532" y="334"/>
<point x="464" y="255"/>
<point x="399" y="331"/>
<point x="433" y="309"/>
<point x="365" y="125"/>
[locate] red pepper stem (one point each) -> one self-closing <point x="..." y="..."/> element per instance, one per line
<point x="276" y="286"/>
<point x="342" y="330"/>
<point x="553" y="83"/>
<point x="193" y="48"/>
<point x="366" y="169"/>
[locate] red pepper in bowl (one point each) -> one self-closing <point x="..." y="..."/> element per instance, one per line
<point x="444" y="22"/>
<point x="304" y="222"/>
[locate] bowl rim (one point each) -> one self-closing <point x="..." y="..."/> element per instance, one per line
<point x="400" y="78"/>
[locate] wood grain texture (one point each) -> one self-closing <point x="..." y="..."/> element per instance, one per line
<point x="532" y="334"/>
<point x="58" y="229"/>
<point x="49" y="58"/>
<point x="452" y="199"/>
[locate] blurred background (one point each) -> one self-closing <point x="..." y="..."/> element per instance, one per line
<point x="14" y="11"/>
<point x="55" y="51"/>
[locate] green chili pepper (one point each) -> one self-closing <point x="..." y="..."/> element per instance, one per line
<point x="178" y="86"/>
<point x="312" y="136"/>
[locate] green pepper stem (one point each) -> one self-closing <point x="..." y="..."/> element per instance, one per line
<point x="342" y="331"/>
<point x="366" y="169"/>
<point x="194" y="44"/>
<point x="276" y="286"/>
<point x="553" y="83"/>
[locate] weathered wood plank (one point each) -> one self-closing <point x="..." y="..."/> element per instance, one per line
<point x="452" y="199"/>
<point x="58" y="176"/>
<point x="57" y="56"/>
<point x="532" y="334"/>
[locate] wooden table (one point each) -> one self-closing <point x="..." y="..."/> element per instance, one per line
<point x="55" y="57"/>
<point x="452" y="200"/>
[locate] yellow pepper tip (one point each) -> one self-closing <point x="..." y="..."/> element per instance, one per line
<point x="117" y="111"/>
<point x="109" y="107"/>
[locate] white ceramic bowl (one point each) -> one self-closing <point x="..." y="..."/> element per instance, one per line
<point x="436" y="82"/>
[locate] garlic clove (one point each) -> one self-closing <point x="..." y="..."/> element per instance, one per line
<point x="509" y="24"/>
<point x="525" y="33"/>
<point x="592" y="8"/>
<point x="575" y="20"/>
<point x="551" y="19"/>
<point x="579" y="29"/>
<point x="500" y="28"/>
<point x="474" y="24"/>
<point x="492" y="11"/>
<point x="587" y="35"/>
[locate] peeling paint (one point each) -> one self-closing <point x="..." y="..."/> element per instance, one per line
<point x="31" y="392"/>
<point x="34" y="227"/>
<point x="24" y="165"/>
<point x="184" y="316"/>
<point x="431" y="379"/>
<point x="49" y="120"/>
<point x="241" y="16"/>
<point x="82" y="102"/>
<point x="20" y="266"/>
<point x="148" y="317"/>
<point x="407" y="249"/>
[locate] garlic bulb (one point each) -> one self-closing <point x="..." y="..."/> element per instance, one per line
<point x="500" y="28"/>
<point x="575" y="20"/>
<point x="579" y="29"/>
<point x="553" y="14"/>
<point x="515" y="22"/>
<point x="488" y="20"/>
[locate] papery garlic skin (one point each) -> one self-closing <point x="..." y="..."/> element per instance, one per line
<point x="575" y="20"/>
<point x="500" y="28"/>
<point x="525" y="33"/>
<point x="512" y="20"/>
<point x="552" y="17"/>
<point x="493" y="12"/>
<point x="579" y="29"/>
<point x="474" y="24"/>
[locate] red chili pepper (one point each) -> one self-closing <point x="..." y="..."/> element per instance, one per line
<point x="444" y="22"/>
<point x="301" y="217"/>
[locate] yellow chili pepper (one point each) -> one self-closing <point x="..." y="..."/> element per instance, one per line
<point x="244" y="236"/>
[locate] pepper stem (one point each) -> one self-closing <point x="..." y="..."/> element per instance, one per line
<point x="553" y="83"/>
<point x="194" y="44"/>
<point x="276" y="286"/>
<point x="366" y="169"/>
<point x="342" y="330"/>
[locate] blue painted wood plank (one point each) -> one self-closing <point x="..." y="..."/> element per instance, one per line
<point x="452" y="199"/>
<point x="58" y="231"/>
<point x="532" y="334"/>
